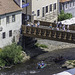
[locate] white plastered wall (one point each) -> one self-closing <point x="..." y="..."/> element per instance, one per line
<point x="14" y="26"/>
<point x="38" y="4"/>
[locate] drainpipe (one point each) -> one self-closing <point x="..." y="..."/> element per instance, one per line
<point x="26" y="13"/>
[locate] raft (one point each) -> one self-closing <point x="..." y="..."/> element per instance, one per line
<point x="40" y="67"/>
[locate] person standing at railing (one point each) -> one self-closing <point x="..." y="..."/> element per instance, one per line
<point x="67" y="27"/>
<point x="28" y="24"/>
<point x="50" y="26"/>
<point x="32" y="24"/>
<point x="57" y="28"/>
<point x="38" y="23"/>
<point x="63" y="27"/>
<point x="60" y="25"/>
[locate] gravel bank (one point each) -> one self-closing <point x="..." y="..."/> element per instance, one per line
<point x="55" y="48"/>
<point x="54" y="45"/>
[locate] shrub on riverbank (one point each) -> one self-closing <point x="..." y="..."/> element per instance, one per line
<point x="69" y="64"/>
<point x="41" y="45"/>
<point x="10" y="55"/>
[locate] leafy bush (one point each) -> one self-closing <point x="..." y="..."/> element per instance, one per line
<point x="64" y="16"/>
<point x="41" y="45"/>
<point x="10" y="55"/>
<point x="0" y="50"/>
<point x="37" y="44"/>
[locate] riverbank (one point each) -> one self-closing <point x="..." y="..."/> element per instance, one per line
<point x="53" y="46"/>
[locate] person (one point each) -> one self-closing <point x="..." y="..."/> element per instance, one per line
<point x="67" y="27"/>
<point x="39" y="65"/>
<point x="38" y="23"/>
<point x="57" y="28"/>
<point x="50" y="26"/>
<point x="42" y="63"/>
<point x="28" y="24"/>
<point x="32" y="24"/>
<point x="57" y="24"/>
<point x="63" y="27"/>
<point x="60" y="25"/>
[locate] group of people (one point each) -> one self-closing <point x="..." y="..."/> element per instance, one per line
<point x="40" y="64"/>
<point x="60" y="26"/>
<point x="33" y="24"/>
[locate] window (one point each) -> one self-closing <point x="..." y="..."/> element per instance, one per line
<point x="3" y="35"/>
<point x="55" y="6"/>
<point x="70" y="4"/>
<point x="10" y="33"/>
<point x="66" y="5"/>
<point x="46" y="9"/>
<point x="38" y="12"/>
<point x="50" y="7"/>
<point x="13" y="18"/>
<point x="73" y="3"/>
<point x="43" y="12"/>
<point x="7" y="19"/>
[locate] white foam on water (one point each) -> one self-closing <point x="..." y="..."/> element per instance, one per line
<point x="33" y="72"/>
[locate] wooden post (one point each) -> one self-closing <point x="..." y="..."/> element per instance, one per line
<point x="70" y="37"/>
<point x="50" y="34"/>
<point x="24" y="29"/>
<point x="39" y="32"/>
<point x="34" y="31"/>
<point x="59" y="36"/>
<point x="29" y="30"/>
<point x="55" y="34"/>
<point x="44" y="33"/>
<point x="65" y="36"/>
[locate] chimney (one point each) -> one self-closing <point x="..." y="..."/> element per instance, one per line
<point x="19" y="2"/>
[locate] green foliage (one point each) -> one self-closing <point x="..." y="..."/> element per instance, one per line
<point x="10" y="55"/>
<point x="0" y="49"/>
<point x="62" y="12"/>
<point x="64" y="16"/>
<point x="41" y="45"/>
<point x="37" y="44"/>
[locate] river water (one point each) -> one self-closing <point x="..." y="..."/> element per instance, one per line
<point x="29" y="67"/>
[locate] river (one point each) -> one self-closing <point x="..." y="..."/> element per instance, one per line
<point x="55" y="49"/>
<point x="29" y="67"/>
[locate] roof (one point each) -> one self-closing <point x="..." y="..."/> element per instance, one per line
<point x="64" y="1"/>
<point x="8" y="6"/>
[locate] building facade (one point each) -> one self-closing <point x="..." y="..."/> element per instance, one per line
<point x="10" y="22"/>
<point x="44" y="10"/>
<point x="68" y="6"/>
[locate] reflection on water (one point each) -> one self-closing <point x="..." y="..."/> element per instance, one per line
<point x="29" y="68"/>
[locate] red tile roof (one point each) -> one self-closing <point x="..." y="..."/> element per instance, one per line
<point x="64" y="0"/>
<point x="8" y="6"/>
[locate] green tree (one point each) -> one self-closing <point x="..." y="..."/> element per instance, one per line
<point x="10" y="55"/>
<point x="64" y="16"/>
